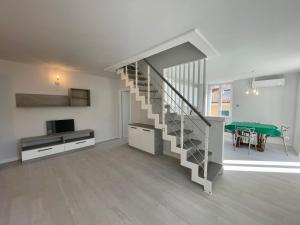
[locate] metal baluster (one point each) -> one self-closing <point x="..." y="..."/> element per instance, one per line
<point x="206" y="151"/>
<point x="136" y="75"/>
<point x="193" y="84"/>
<point x="163" y="109"/>
<point x="148" y="89"/>
<point x="182" y="126"/>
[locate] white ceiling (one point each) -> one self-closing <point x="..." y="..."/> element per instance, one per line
<point x="260" y="35"/>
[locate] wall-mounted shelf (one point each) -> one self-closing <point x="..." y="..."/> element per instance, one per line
<point x="76" y="98"/>
<point x="79" y="97"/>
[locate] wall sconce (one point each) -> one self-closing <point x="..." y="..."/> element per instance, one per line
<point x="57" y="80"/>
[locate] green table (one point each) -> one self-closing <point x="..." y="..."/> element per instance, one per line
<point x="263" y="131"/>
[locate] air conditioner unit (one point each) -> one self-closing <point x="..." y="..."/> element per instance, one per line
<point x="268" y="83"/>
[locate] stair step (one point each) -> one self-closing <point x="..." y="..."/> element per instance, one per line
<point x="196" y="157"/>
<point x="142" y="84"/>
<point x="132" y="77"/>
<point x="132" y="72"/>
<point x="156" y="98"/>
<point x="199" y="155"/>
<point x="174" y="122"/>
<point x="213" y="170"/>
<point x="151" y="91"/>
<point x="178" y="132"/>
<point x="190" y="143"/>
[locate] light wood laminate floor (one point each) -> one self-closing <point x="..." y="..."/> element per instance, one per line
<point x="114" y="184"/>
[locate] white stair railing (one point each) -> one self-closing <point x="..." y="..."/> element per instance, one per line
<point x="183" y="106"/>
<point x="182" y="126"/>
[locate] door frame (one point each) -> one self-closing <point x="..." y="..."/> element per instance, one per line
<point x="120" y="110"/>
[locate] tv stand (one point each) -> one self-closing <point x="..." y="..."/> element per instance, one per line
<point x="40" y="146"/>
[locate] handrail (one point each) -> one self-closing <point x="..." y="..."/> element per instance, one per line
<point x="171" y="86"/>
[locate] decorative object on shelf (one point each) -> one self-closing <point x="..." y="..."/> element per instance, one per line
<point x="76" y="98"/>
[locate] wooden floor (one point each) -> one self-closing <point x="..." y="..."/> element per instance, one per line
<point x="114" y="184"/>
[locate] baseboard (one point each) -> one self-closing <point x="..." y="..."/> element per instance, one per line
<point x="9" y="160"/>
<point x="171" y="154"/>
<point x="106" y="139"/>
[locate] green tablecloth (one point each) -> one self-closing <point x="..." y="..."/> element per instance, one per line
<point x="266" y="129"/>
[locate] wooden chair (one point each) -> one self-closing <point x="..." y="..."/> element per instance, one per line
<point x="246" y="134"/>
<point x="284" y="137"/>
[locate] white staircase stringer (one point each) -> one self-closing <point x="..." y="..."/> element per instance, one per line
<point x="141" y="99"/>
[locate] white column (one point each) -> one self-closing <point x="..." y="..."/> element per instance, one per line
<point x="199" y="94"/>
<point x="204" y="88"/>
<point x="193" y="84"/>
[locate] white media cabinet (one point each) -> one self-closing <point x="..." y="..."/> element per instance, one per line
<point x="145" y="137"/>
<point x="40" y="146"/>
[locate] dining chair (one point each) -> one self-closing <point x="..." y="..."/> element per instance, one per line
<point x="284" y="137"/>
<point x="246" y="134"/>
<point x="233" y="135"/>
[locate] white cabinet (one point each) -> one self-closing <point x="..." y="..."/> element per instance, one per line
<point x="145" y="138"/>
<point x="40" y="146"/>
<point x="40" y="152"/>
<point x="79" y="144"/>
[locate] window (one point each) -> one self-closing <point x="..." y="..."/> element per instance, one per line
<point x="220" y="100"/>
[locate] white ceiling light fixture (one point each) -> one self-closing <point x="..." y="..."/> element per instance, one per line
<point x="252" y="90"/>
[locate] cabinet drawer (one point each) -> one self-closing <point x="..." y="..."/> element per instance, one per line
<point x="141" y="138"/>
<point x="40" y="152"/>
<point x="79" y="144"/>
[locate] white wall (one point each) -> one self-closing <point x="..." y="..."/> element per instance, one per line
<point x="274" y="105"/>
<point x="16" y="123"/>
<point x="297" y="123"/>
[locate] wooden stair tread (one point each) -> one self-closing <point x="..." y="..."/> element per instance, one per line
<point x="190" y="143"/>
<point x="132" y="72"/>
<point x="196" y="157"/>
<point x="142" y="84"/>
<point x="151" y="91"/>
<point x="173" y="122"/>
<point x="158" y="98"/>
<point x="199" y="154"/>
<point x="178" y="132"/>
<point x="132" y="77"/>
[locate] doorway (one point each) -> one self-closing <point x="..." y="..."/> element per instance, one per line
<point x="125" y="113"/>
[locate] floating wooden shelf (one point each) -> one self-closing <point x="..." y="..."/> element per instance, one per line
<point x="79" y="97"/>
<point x="76" y="97"/>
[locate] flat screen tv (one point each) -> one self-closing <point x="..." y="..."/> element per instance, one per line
<point x="60" y="126"/>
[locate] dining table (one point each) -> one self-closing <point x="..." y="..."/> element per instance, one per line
<point x="263" y="131"/>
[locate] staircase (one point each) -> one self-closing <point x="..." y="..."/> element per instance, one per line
<point x="188" y="138"/>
